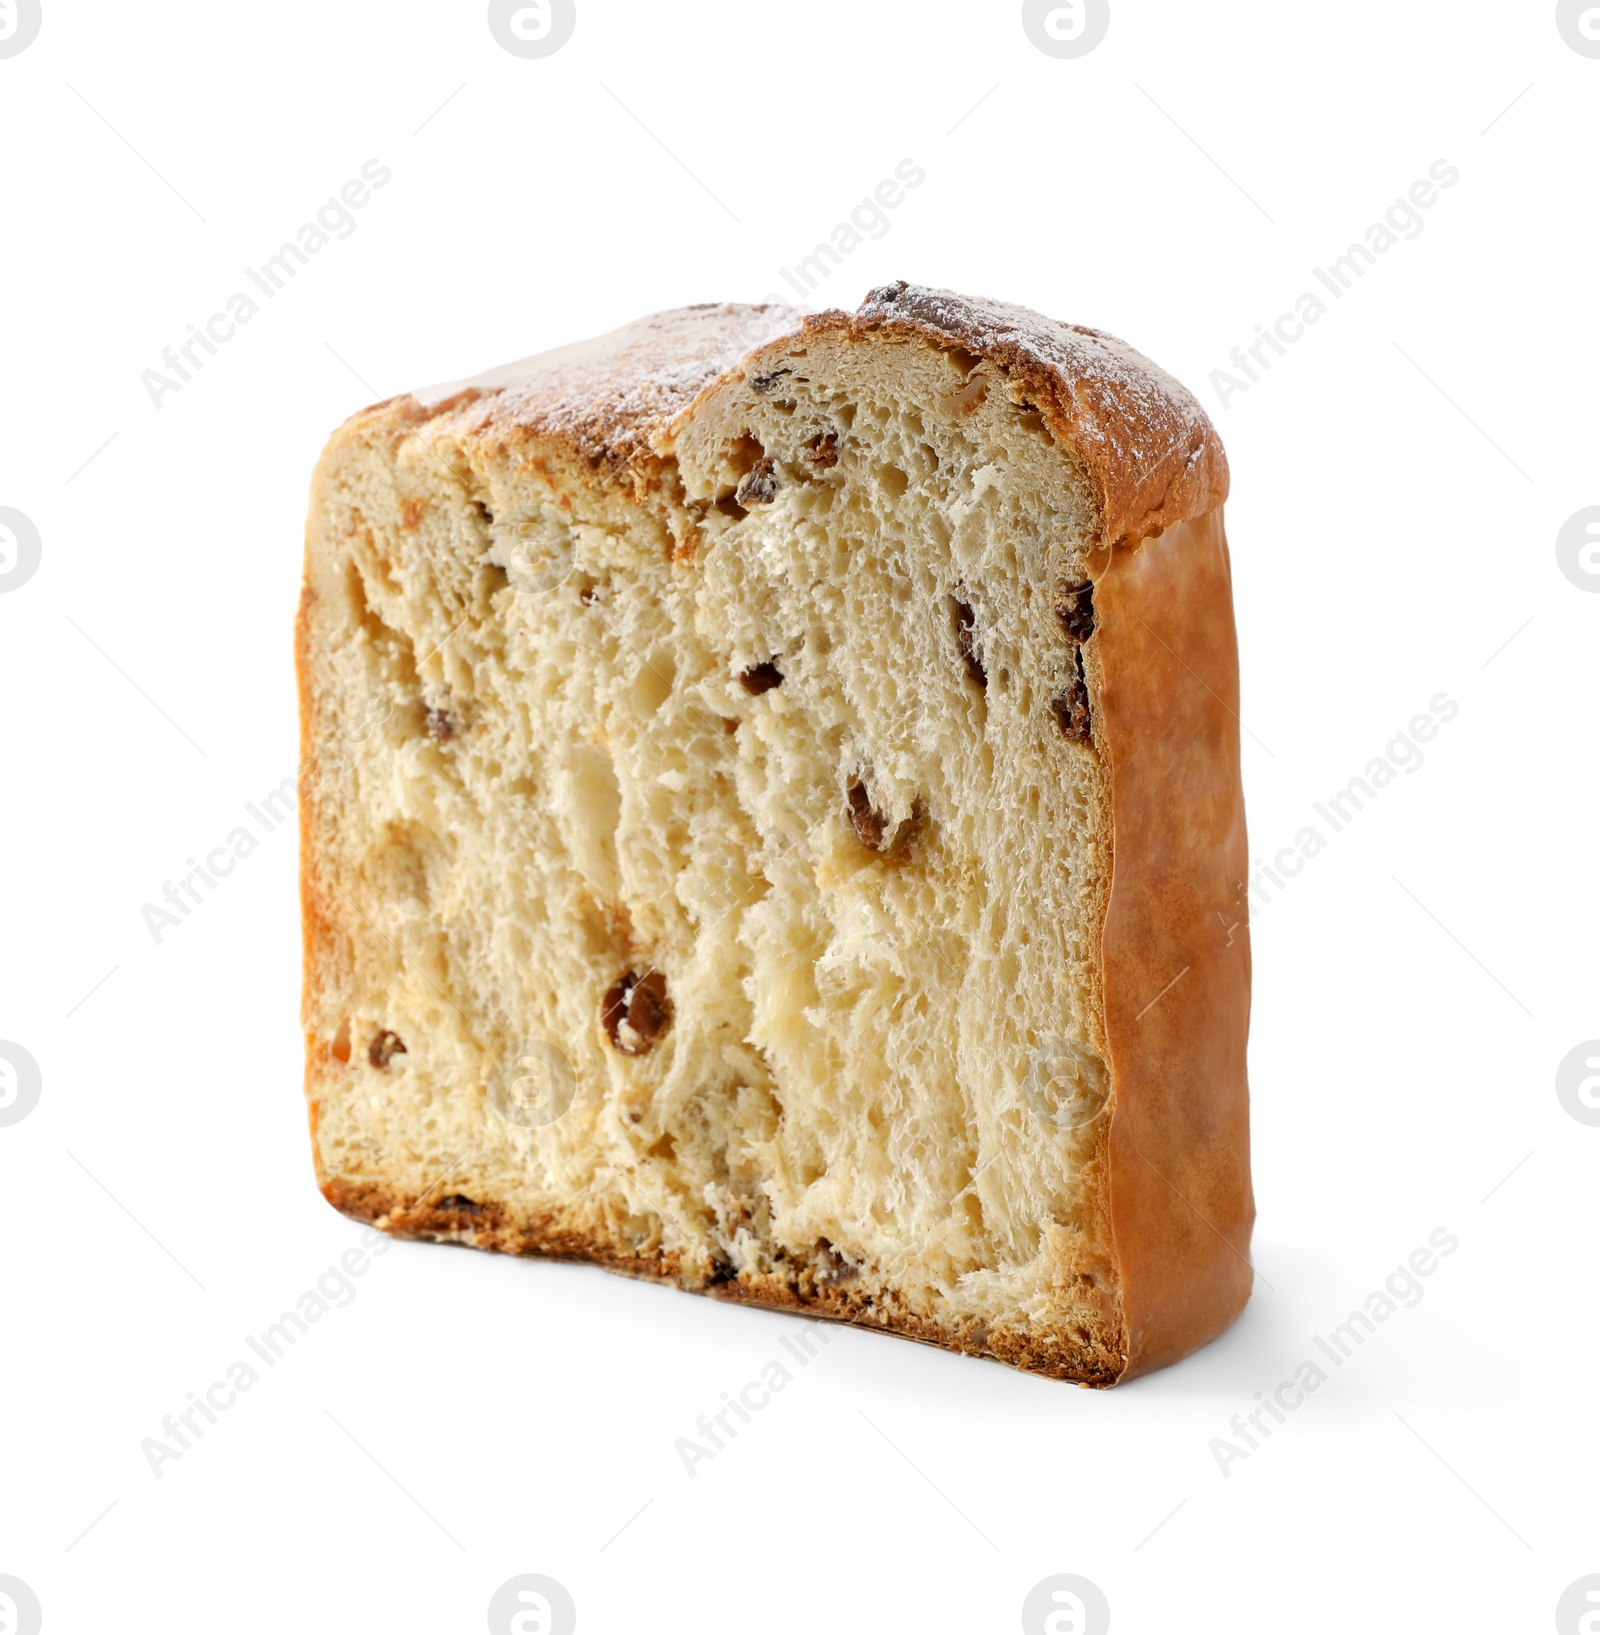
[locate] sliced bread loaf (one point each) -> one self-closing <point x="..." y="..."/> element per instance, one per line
<point x="772" y="822"/>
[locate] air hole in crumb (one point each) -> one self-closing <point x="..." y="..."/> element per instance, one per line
<point x="485" y="515"/>
<point x="966" y="640"/>
<point x="964" y="360"/>
<point x="459" y="1204"/>
<point x="636" y="1012"/>
<point x="730" y="507"/>
<point x="893" y="481"/>
<point x="966" y="398"/>
<point x="868" y="823"/>
<point x="1084" y="1336"/>
<point x="411" y="514"/>
<point x="761" y="678"/>
<point x="745" y="454"/>
<point x="385" y="1047"/>
<point x="341" y="1042"/>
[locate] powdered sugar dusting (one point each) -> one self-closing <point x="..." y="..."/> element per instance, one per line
<point x="609" y="395"/>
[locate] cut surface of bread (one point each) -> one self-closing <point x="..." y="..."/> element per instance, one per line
<point x="771" y="822"/>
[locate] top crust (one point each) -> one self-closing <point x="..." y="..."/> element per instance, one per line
<point x="1147" y="447"/>
<point x="609" y="398"/>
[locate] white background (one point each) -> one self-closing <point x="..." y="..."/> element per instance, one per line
<point x="470" y="1417"/>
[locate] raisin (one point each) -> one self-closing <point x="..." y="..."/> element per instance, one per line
<point x="636" y="1012"/>
<point x="836" y="1269"/>
<point x="868" y="823"/>
<point x="614" y="1007"/>
<point x="823" y="450"/>
<point x="759" y="485"/>
<point x="761" y="678"/>
<point x="1071" y="711"/>
<point x="384" y="1048"/>
<point x="440" y="726"/>
<point x="764" y="383"/>
<point x="967" y="642"/>
<point x="1076" y="610"/>
<point x="649" y="1010"/>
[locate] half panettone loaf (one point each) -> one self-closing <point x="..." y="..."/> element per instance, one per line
<point x="772" y="822"/>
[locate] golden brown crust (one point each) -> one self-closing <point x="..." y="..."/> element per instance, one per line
<point x="1174" y="1150"/>
<point x="1175" y="946"/>
<point x="1147" y="447"/>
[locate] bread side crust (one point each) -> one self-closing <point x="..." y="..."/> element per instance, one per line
<point x="1174" y="1175"/>
<point x="1176" y="940"/>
